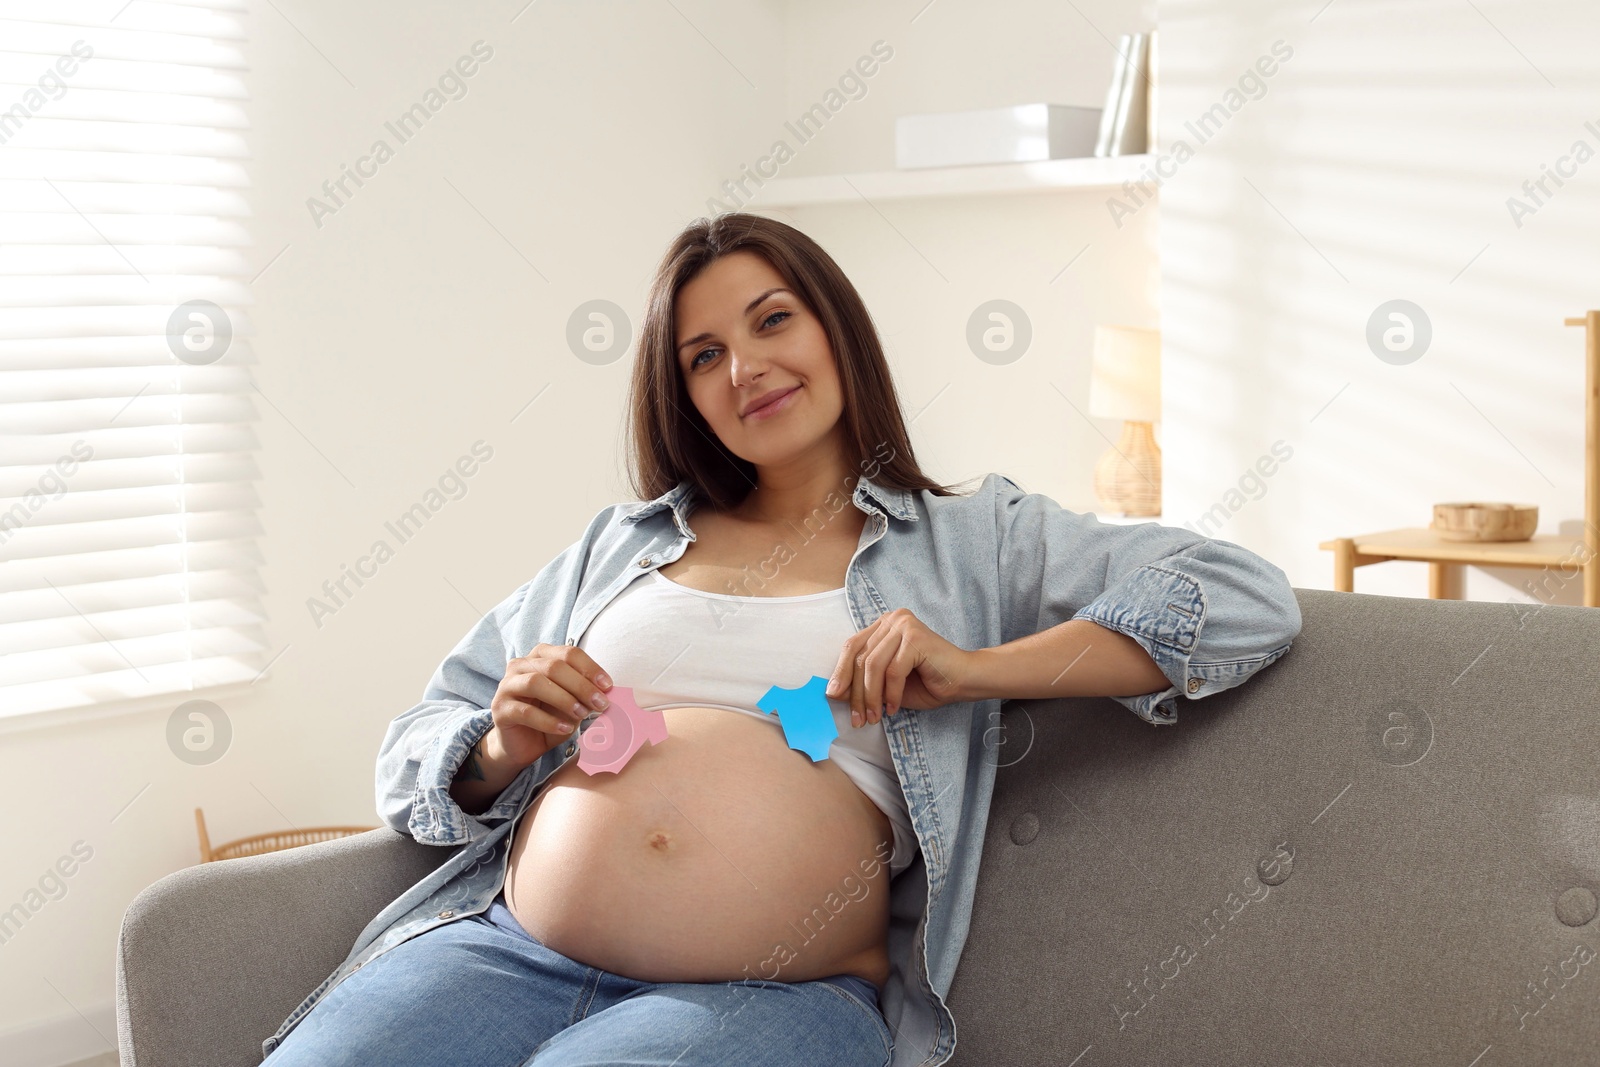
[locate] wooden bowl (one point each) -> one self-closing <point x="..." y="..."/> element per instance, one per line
<point x="1477" y="521"/>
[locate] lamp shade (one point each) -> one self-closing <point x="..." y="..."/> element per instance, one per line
<point x="1125" y="382"/>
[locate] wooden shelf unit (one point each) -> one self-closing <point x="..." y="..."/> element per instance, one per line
<point x="1446" y="558"/>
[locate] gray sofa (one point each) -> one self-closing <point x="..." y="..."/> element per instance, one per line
<point x="1385" y="848"/>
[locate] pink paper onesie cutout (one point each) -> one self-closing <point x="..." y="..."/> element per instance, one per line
<point x="617" y="733"/>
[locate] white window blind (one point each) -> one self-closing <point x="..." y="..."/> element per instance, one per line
<point x="128" y="560"/>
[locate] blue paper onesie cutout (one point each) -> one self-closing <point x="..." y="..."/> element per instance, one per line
<point x="805" y="714"/>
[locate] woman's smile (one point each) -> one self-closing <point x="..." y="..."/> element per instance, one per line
<point x="773" y="407"/>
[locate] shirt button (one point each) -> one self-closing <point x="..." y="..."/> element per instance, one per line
<point x="446" y="913"/>
<point x="1195" y="684"/>
<point x="645" y="562"/>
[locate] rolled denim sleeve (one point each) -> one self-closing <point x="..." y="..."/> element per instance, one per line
<point x="425" y="746"/>
<point x="1209" y="613"/>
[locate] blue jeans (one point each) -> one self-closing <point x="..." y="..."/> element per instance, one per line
<point x="482" y="990"/>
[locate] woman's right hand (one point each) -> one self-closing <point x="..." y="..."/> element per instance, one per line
<point x="542" y="699"/>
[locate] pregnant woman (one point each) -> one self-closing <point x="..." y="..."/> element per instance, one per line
<point x="725" y="897"/>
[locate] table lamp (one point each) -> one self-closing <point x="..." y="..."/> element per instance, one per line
<point x="1125" y="383"/>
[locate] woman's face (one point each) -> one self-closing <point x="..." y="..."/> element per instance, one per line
<point x="741" y="335"/>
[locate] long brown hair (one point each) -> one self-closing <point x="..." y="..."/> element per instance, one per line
<point x="672" y="441"/>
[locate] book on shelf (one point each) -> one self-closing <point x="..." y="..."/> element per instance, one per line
<point x="1152" y="82"/>
<point x="1108" y="115"/>
<point x="1129" y="133"/>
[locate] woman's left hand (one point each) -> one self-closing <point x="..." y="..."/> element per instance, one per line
<point x="898" y="662"/>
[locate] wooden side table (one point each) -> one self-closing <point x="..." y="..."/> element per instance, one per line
<point x="1446" y="558"/>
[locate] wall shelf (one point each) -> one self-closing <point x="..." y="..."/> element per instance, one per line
<point x="977" y="180"/>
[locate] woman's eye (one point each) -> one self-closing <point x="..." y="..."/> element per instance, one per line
<point x="695" y="362"/>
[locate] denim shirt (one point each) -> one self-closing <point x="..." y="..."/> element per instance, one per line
<point x="980" y="570"/>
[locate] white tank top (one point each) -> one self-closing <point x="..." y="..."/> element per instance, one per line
<point x="680" y="647"/>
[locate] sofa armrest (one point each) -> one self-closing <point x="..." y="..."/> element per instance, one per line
<point x="211" y="959"/>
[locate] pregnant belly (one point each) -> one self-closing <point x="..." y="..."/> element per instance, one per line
<point x="717" y="855"/>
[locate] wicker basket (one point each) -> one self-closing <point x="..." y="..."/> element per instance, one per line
<point x="256" y="844"/>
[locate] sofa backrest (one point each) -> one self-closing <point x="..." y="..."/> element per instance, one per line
<point x="1385" y="847"/>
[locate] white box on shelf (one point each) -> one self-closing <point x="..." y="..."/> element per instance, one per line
<point x="1023" y="133"/>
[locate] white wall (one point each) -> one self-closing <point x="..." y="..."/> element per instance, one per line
<point x="406" y="327"/>
<point x="1376" y="166"/>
